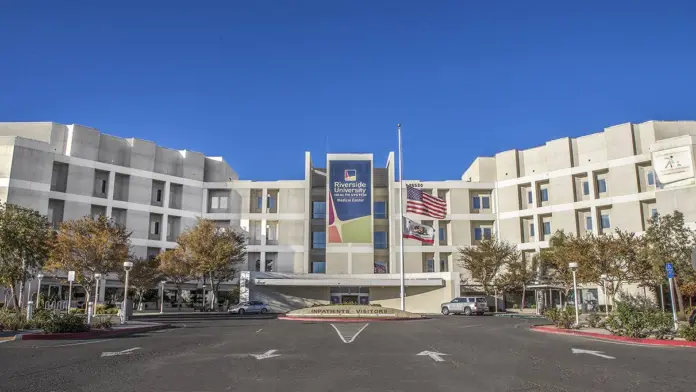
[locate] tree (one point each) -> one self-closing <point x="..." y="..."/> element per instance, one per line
<point x="519" y="274"/>
<point x="563" y="249"/>
<point x="215" y="252"/>
<point x="144" y="276"/>
<point x="689" y="289"/>
<point x="90" y="246"/>
<point x="486" y="260"/>
<point x="668" y="240"/>
<point x="175" y="267"/>
<point x="25" y="243"/>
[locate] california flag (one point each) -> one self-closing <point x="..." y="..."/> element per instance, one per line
<point x="417" y="231"/>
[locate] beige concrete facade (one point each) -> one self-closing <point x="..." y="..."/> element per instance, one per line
<point x="596" y="183"/>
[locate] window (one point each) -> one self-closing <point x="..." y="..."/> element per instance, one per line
<point x="487" y="233"/>
<point x="486" y="202"/>
<point x="588" y="223"/>
<point x="318" y="240"/>
<point x="544" y="194"/>
<point x="159" y="195"/>
<point x="481" y="233"/>
<point x="429" y="266"/>
<point x="258" y="265"/>
<point x="605" y="223"/>
<point x="443" y="233"/>
<point x="653" y="212"/>
<point x="477" y="203"/>
<point x="214" y="203"/>
<point x="271" y="201"/>
<point x="477" y="234"/>
<point x="481" y="202"/>
<point x="547" y="228"/>
<point x="529" y="197"/>
<point x="154" y="228"/>
<point x="269" y="266"/>
<point x="259" y="202"/>
<point x="380" y="240"/>
<point x="443" y="265"/>
<point x="223" y="202"/>
<point x="318" y="267"/>
<point x="602" y="185"/>
<point x="531" y="230"/>
<point x="380" y="210"/>
<point x="651" y="178"/>
<point x="103" y="186"/>
<point x="381" y="267"/>
<point x="585" y="188"/>
<point x="318" y="210"/>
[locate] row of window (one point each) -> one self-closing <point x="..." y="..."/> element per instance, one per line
<point x="319" y="240"/>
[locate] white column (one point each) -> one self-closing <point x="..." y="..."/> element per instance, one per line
<point x="102" y="290"/>
<point x="593" y="208"/>
<point x="110" y="193"/>
<point x="264" y="200"/>
<point x="165" y="204"/>
<point x="538" y="225"/>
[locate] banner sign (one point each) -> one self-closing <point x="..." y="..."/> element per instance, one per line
<point x="417" y="231"/>
<point x="350" y="202"/>
<point x="674" y="164"/>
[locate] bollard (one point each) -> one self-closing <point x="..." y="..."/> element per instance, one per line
<point x="30" y="310"/>
<point x="89" y="313"/>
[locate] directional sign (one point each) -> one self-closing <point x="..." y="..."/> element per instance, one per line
<point x="117" y="353"/>
<point x="591" y="352"/>
<point x="266" y="355"/>
<point x="434" y="355"/>
<point x="669" y="267"/>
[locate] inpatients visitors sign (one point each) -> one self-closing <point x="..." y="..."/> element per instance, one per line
<point x="350" y="202"/>
<point x="673" y="165"/>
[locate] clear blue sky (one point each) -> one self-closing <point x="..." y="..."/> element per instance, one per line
<point x="260" y="82"/>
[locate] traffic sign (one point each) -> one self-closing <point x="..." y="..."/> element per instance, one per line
<point x="71" y="276"/>
<point x="670" y="270"/>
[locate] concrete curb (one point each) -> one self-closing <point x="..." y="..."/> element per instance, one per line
<point x="645" y="341"/>
<point x="521" y="316"/>
<point x="90" y="334"/>
<point x="349" y="319"/>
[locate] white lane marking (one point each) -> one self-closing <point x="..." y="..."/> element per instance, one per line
<point x="434" y="355"/>
<point x="218" y="345"/>
<point x="266" y="355"/>
<point x="469" y="326"/>
<point x="259" y="330"/>
<point x="525" y="322"/>
<point x="591" y="352"/>
<point x="347" y="332"/>
<point x="117" y="353"/>
<point x="5" y="341"/>
<point x="75" y="344"/>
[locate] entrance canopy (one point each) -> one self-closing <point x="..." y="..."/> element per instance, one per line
<point x="377" y="282"/>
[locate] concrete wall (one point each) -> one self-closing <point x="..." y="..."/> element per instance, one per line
<point x="139" y="190"/>
<point x="284" y="299"/>
<point x="35" y="199"/>
<point x="114" y="150"/>
<point x="291" y="232"/>
<point x="292" y="201"/>
<point x="418" y="299"/>
<point x="80" y="180"/>
<point x="32" y="165"/>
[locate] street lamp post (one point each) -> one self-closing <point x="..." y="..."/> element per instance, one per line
<point x="97" y="278"/>
<point x="573" y="267"/>
<point x="203" y="307"/>
<point x="127" y="266"/>
<point x="38" y="290"/>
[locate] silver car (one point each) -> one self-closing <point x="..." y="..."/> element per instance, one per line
<point x="249" y="307"/>
<point x="465" y="305"/>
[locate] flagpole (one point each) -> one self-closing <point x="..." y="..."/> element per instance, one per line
<point x="401" y="222"/>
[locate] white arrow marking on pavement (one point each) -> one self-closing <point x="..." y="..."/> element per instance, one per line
<point x="591" y="352"/>
<point x="267" y="354"/>
<point x="117" y="353"/>
<point x="348" y="332"/>
<point x="434" y="355"/>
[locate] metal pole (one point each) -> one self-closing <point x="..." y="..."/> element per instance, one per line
<point x="402" y="274"/>
<point x="674" y="307"/>
<point x="96" y="296"/>
<point x="577" y="311"/>
<point x="162" y="302"/>
<point x="662" y="297"/>
<point x="69" y="296"/>
<point x="38" y="294"/>
<point x="125" y="298"/>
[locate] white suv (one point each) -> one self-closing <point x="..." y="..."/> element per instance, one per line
<point x="465" y="305"/>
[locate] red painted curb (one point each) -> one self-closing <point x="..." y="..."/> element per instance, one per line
<point x="652" y="342"/>
<point x="90" y="334"/>
<point x="348" y="320"/>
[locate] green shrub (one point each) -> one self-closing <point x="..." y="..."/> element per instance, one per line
<point x="66" y="323"/>
<point x="688" y="332"/>
<point x="13" y="321"/>
<point x="593" y="319"/>
<point x="561" y="318"/>
<point x="638" y="318"/>
<point x="101" y="309"/>
<point x="77" y="311"/>
<point x="102" y="322"/>
<point x="40" y="318"/>
<point x="112" y="311"/>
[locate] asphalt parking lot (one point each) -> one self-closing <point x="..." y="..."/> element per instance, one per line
<point x="455" y="353"/>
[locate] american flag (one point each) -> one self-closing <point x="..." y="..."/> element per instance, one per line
<point x="422" y="203"/>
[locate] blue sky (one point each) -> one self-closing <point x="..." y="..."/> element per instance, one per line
<point x="260" y="82"/>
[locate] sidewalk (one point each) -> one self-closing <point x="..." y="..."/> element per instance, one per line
<point x="131" y="328"/>
<point x="603" y="334"/>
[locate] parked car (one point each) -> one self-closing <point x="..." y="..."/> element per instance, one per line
<point x="249" y="307"/>
<point x="465" y="305"/>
